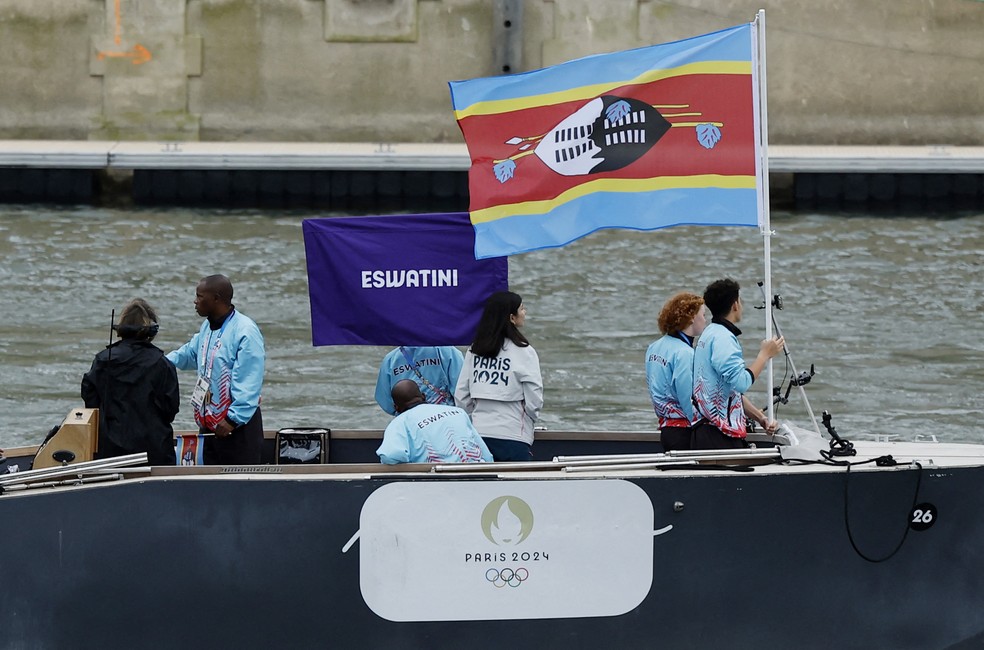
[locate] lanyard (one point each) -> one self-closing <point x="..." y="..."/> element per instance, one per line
<point x="208" y="360"/>
<point x="442" y="395"/>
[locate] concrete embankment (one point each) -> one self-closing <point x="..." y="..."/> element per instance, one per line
<point x="348" y="71"/>
<point x="862" y="73"/>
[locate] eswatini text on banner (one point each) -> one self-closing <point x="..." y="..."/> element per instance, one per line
<point x="644" y="139"/>
<point x="397" y="280"/>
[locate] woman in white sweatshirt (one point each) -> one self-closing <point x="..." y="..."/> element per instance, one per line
<point x="500" y="384"/>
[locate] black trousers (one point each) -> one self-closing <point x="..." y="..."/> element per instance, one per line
<point x="242" y="447"/>
<point x="675" y="438"/>
<point x="708" y="436"/>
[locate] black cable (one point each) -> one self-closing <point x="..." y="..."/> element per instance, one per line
<point x="882" y="461"/>
<point x="777" y="391"/>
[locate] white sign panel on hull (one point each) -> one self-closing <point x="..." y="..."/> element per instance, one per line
<point x="488" y="550"/>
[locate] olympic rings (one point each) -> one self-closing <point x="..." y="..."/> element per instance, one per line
<point x="507" y="576"/>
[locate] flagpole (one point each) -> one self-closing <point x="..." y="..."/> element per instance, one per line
<point x="763" y="199"/>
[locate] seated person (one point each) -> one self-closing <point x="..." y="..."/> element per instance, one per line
<point x="135" y="389"/>
<point x="434" y="369"/>
<point x="429" y="433"/>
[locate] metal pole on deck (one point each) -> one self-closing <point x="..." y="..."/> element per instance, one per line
<point x="762" y="167"/>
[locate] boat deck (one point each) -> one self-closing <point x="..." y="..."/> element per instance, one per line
<point x="762" y="461"/>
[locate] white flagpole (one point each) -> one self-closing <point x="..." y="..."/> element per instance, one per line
<point x="762" y="167"/>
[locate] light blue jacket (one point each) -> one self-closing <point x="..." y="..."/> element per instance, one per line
<point x="670" y="376"/>
<point x="232" y="357"/>
<point x="720" y="379"/>
<point x="431" y="433"/>
<point x="439" y="367"/>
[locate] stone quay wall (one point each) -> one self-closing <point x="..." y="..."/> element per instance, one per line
<point x="906" y="72"/>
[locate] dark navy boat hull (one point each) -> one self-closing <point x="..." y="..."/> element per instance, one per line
<point x="754" y="561"/>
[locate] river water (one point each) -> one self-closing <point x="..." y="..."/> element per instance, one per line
<point x="887" y="308"/>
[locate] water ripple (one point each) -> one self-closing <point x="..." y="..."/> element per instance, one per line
<point x="887" y="308"/>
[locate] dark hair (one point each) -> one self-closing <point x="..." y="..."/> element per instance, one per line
<point x="720" y="296"/>
<point x="495" y="325"/>
<point x="138" y="320"/>
<point x="221" y="286"/>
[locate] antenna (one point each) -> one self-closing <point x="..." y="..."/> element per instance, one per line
<point x="112" y="323"/>
<point x="103" y="406"/>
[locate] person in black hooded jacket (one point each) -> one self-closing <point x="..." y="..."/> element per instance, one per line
<point x="135" y="388"/>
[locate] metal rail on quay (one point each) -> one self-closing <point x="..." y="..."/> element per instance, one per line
<point x="327" y="174"/>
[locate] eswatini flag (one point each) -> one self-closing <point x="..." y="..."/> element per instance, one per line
<point x="648" y="138"/>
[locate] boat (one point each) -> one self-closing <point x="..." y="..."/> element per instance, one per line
<point x="807" y="540"/>
<point x="776" y="546"/>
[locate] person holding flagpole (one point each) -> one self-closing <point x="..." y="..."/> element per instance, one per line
<point x="721" y="377"/>
<point x="500" y="385"/>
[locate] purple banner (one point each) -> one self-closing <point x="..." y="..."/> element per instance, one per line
<point x="397" y="280"/>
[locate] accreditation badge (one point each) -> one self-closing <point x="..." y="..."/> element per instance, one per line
<point x="201" y="395"/>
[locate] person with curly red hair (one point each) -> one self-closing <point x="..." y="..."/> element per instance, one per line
<point x="670" y="365"/>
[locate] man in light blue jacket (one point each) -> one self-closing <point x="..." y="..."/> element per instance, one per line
<point x="720" y="375"/>
<point x="429" y="433"/>
<point x="229" y="355"/>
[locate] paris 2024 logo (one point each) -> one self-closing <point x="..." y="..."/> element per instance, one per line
<point x="507" y="522"/>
